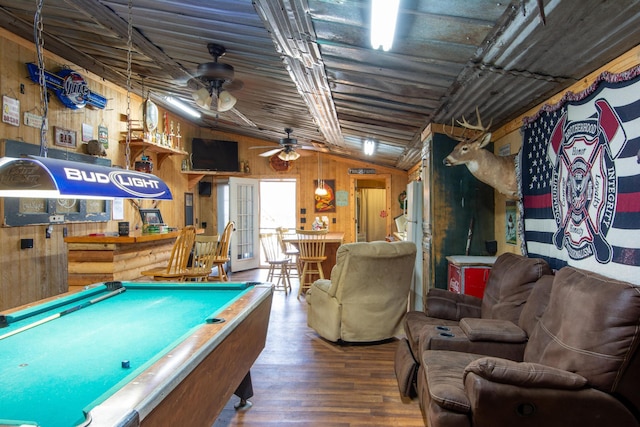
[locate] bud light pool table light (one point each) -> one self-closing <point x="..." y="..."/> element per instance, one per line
<point x="43" y="177"/>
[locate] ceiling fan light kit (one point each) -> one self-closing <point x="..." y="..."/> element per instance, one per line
<point x="287" y="150"/>
<point x="288" y="156"/>
<point x="214" y="75"/>
<point x="226" y="101"/>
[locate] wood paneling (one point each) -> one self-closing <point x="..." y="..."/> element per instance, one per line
<point x="88" y="261"/>
<point x="305" y="171"/>
<point x="32" y="274"/>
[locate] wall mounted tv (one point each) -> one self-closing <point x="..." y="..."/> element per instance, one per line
<point x="214" y="155"/>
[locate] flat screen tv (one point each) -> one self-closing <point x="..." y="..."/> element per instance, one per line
<point x="214" y="155"/>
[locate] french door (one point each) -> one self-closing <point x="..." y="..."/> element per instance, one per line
<point x="244" y="209"/>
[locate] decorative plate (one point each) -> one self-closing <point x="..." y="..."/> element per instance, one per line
<point x="279" y="165"/>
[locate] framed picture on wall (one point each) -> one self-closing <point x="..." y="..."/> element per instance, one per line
<point x="65" y="137"/>
<point x="188" y="209"/>
<point x="326" y="203"/>
<point x="151" y="216"/>
<point x="511" y="222"/>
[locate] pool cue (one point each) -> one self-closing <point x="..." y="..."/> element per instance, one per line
<point x="63" y="313"/>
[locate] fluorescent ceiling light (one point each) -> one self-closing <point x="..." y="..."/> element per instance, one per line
<point x="43" y="177"/>
<point x="182" y="106"/>
<point x="369" y="146"/>
<point x="384" y="14"/>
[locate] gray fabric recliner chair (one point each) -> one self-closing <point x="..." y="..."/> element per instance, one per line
<point x="366" y="298"/>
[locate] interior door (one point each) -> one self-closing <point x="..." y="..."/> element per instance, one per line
<point x="244" y="209"/>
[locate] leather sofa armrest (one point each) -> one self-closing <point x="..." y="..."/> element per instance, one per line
<point x="503" y="393"/>
<point x="524" y="374"/>
<point x="494" y="330"/>
<point x="444" y="304"/>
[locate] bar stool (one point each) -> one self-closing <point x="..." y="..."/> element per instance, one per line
<point x="290" y="251"/>
<point x="277" y="262"/>
<point x="311" y="245"/>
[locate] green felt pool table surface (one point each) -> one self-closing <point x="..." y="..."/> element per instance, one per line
<point x="55" y="373"/>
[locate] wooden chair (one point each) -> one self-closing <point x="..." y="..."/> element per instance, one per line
<point x="222" y="253"/>
<point x="179" y="258"/>
<point x="278" y="262"/>
<point x="311" y="245"/>
<point x="289" y="251"/>
<point x="204" y="252"/>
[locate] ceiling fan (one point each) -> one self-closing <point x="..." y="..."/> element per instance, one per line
<point x="286" y="151"/>
<point x="213" y="83"/>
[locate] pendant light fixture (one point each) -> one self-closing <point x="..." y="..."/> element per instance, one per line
<point x="44" y="177"/>
<point x="320" y="190"/>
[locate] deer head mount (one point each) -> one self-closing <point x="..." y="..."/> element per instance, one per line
<point x="496" y="171"/>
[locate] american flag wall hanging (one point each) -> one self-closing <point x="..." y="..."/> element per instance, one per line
<point x="579" y="172"/>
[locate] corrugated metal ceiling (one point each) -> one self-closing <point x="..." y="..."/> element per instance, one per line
<point x="307" y="64"/>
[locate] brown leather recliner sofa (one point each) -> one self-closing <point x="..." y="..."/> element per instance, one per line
<point x="581" y="366"/>
<point x="497" y="325"/>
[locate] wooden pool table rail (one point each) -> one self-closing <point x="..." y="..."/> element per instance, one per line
<point x="192" y="383"/>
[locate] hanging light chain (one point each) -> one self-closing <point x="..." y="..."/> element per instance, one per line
<point x="127" y="152"/>
<point x="44" y="101"/>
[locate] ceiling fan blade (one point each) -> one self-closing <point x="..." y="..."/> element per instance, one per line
<point x="271" y="152"/>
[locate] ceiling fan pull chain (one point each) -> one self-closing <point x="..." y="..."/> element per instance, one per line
<point x="44" y="101"/>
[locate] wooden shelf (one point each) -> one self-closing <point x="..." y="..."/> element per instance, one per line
<point x="196" y="176"/>
<point x="138" y="146"/>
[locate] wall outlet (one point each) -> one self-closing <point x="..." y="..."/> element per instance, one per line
<point x="56" y="218"/>
<point x="48" y="232"/>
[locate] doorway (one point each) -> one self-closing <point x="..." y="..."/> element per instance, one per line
<point x="278" y="204"/>
<point x="277" y="207"/>
<point x="371" y="202"/>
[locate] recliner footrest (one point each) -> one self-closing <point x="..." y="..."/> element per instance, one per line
<point x="406" y="369"/>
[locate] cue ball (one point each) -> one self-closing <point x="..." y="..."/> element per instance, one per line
<point x="126" y="364"/>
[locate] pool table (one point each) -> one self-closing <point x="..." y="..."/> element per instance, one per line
<point x="131" y="353"/>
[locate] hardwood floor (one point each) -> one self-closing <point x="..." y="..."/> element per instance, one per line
<point x="303" y="380"/>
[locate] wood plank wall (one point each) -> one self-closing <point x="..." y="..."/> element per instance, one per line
<point x="31" y="274"/>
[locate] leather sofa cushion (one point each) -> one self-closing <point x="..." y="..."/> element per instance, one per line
<point x="492" y="330"/>
<point x="536" y="304"/>
<point x="591" y="327"/>
<point x="443" y="304"/>
<point x="443" y="371"/>
<point x="511" y="280"/>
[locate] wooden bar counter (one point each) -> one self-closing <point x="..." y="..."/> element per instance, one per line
<point x="92" y="259"/>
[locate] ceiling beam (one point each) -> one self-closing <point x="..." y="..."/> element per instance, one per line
<point x="294" y="37"/>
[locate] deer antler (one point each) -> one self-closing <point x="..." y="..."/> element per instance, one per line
<point x="477" y="126"/>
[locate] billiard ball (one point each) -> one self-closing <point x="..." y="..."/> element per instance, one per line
<point x="126" y="364"/>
